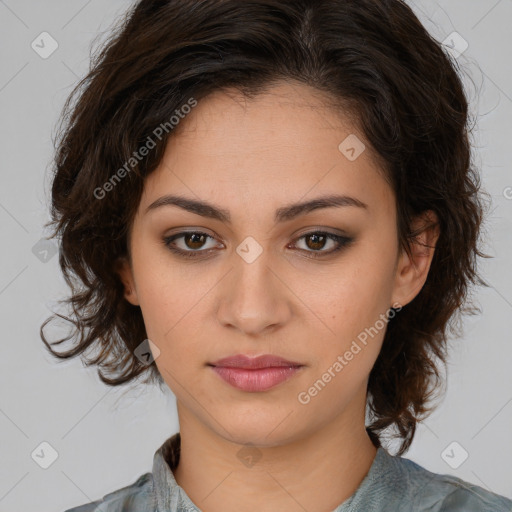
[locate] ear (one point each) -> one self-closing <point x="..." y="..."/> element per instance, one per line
<point x="124" y="269"/>
<point x="412" y="270"/>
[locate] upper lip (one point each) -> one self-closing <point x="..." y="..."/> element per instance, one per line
<point x="252" y="363"/>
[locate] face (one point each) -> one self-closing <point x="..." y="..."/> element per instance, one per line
<point x="248" y="274"/>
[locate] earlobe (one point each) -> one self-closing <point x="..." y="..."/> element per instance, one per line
<point x="412" y="269"/>
<point x="125" y="272"/>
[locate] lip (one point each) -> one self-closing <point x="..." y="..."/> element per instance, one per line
<point x="254" y="363"/>
<point x="255" y="374"/>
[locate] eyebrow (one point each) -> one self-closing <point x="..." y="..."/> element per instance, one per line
<point x="282" y="214"/>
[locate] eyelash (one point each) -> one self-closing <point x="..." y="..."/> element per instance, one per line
<point x="342" y="241"/>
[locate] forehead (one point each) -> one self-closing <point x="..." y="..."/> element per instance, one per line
<point x="281" y="146"/>
<point x="287" y="115"/>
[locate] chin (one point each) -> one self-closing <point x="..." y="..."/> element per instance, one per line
<point x="263" y="431"/>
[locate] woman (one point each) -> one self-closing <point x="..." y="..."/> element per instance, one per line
<point x="270" y="207"/>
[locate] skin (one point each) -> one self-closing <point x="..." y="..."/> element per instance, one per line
<point x="251" y="157"/>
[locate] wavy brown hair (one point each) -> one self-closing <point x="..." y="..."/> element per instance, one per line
<point x="373" y="60"/>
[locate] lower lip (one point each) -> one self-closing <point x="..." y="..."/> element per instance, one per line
<point x="255" y="380"/>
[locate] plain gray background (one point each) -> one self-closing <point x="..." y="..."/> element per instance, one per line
<point x="105" y="438"/>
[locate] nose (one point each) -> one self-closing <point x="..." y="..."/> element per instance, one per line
<point x="254" y="298"/>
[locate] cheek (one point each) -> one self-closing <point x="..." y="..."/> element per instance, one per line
<point x="165" y="291"/>
<point x="353" y="307"/>
<point x="173" y="309"/>
<point x="352" y="297"/>
<point x="353" y="310"/>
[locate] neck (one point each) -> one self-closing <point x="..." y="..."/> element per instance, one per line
<point x="317" y="471"/>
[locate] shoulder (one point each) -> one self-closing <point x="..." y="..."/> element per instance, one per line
<point x="136" y="497"/>
<point x="433" y="492"/>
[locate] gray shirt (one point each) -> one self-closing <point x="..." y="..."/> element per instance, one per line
<point x="392" y="484"/>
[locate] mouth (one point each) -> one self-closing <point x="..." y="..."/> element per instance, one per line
<point x="255" y="374"/>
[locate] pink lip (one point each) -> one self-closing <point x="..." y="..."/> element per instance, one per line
<point x="252" y="363"/>
<point x="255" y="374"/>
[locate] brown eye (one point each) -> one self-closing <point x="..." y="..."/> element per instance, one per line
<point x="192" y="243"/>
<point x="194" y="240"/>
<point x="317" y="240"/>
